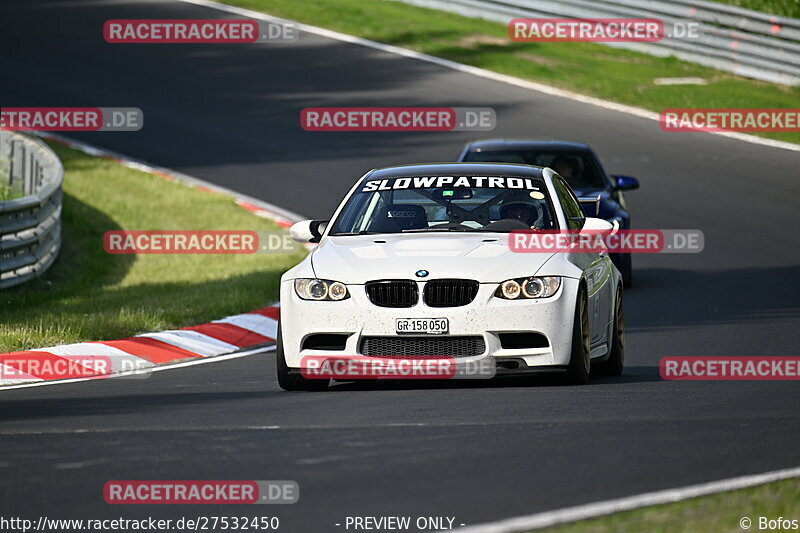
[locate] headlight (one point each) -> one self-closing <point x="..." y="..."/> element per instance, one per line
<point x="528" y="288"/>
<point x="320" y="289"/>
<point x="510" y="289"/>
<point x="533" y="288"/>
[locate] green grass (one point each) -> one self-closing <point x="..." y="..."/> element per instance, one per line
<point x="91" y="295"/>
<point x="6" y="193"/>
<point x="587" y="68"/>
<point x="719" y="513"/>
<point x="786" y="8"/>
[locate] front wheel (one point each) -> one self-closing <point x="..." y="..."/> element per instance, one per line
<point x="579" y="364"/>
<point x="616" y="357"/>
<point x="293" y="382"/>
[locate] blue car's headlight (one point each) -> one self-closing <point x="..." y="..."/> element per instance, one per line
<point x="528" y="288"/>
<point x="320" y="289"/>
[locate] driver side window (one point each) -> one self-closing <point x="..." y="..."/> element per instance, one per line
<point x="570" y="205"/>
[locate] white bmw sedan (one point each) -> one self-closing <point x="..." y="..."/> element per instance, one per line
<point x="417" y="262"/>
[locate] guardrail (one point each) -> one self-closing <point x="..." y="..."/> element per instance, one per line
<point x="741" y="41"/>
<point x="30" y="225"/>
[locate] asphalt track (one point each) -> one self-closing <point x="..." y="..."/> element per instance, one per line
<point x="229" y="114"/>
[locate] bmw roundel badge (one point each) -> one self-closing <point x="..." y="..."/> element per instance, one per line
<point x="421" y="273"/>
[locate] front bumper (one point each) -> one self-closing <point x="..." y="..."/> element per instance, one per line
<point x="486" y="316"/>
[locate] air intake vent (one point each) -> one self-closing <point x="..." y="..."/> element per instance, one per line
<point x="326" y="341"/>
<point x="518" y="341"/>
<point x="393" y="293"/>
<point x="465" y="346"/>
<point x="450" y="292"/>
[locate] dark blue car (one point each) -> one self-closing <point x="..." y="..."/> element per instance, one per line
<point x="578" y="164"/>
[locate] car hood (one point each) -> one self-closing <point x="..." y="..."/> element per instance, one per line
<point x="481" y="256"/>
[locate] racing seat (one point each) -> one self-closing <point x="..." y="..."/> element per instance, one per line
<point x="394" y="218"/>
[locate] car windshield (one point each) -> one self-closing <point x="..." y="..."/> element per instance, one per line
<point x="577" y="167"/>
<point x="446" y="204"/>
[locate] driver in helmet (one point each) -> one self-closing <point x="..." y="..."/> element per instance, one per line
<point x="567" y="168"/>
<point x="520" y="206"/>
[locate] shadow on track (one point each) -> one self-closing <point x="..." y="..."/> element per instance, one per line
<point x="636" y="374"/>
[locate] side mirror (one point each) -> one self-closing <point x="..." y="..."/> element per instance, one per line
<point x="308" y="230"/>
<point x="625" y="183"/>
<point x="598" y="225"/>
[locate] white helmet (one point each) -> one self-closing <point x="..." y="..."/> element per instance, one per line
<point x="520" y="199"/>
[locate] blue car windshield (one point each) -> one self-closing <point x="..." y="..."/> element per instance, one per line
<point x="577" y="167"/>
<point x="446" y="203"/>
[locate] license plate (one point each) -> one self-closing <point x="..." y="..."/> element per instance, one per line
<point x="431" y="326"/>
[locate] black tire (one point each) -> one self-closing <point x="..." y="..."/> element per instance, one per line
<point x="293" y="382"/>
<point x="626" y="269"/>
<point x="616" y="357"/>
<point x="579" y="362"/>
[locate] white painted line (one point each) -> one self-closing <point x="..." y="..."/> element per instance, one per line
<point x="680" y="81"/>
<point x="140" y="373"/>
<point x="482" y="73"/>
<point x="593" y="510"/>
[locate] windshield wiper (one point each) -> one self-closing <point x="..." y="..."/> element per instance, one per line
<point x="362" y="232"/>
<point x="435" y="229"/>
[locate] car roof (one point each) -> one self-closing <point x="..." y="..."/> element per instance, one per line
<point x="463" y="169"/>
<point x="526" y="144"/>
